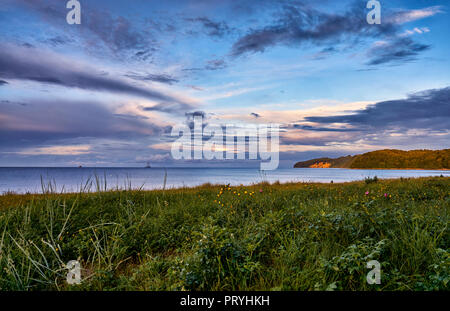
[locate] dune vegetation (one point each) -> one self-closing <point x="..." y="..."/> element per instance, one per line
<point x="296" y="236"/>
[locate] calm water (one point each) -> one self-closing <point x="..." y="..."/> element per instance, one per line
<point x="70" y="179"/>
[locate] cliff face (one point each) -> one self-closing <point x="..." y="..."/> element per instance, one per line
<point x="342" y="162"/>
<point x="321" y="165"/>
<point x="388" y="158"/>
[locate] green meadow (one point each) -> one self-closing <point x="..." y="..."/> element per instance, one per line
<point x="296" y="236"/>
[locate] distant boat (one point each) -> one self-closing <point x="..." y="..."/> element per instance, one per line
<point x="148" y="165"/>
<point x="79" y="166"/>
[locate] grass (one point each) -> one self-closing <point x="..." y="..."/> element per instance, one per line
<point x="297" y="236"/>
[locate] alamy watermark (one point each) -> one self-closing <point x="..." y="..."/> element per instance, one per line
<point x="374" y="275"/>
<point x="374" y="16"/>
<point x="74" y="274"/>
<point x="201" y="141"/>
<point x="74" y="15"/>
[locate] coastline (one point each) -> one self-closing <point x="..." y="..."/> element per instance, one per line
<point x="406" y="169"/>
<point x="208" y="185"/>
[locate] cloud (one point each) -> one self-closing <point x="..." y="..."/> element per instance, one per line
<point x="41" y="121"/>
<point x="98" y="27"/>
<point x="39" y="66"/>
<point x="215" y="64"/>
<point x="58" y="40"/>
<point x="3" y="82"/>
<point x="406" y="16"/>
<point x="424" y="110"/>
<point x="312" y="138"/>
<point x="322" y="129"/>
<point x="118" y="33"/>
<point x="398" y="50"/>
<point x="212" y="65"/>
<point x="212" y="28"/>
<point x="254" y="114"/>
<point x="195" y="114"/>
<point x="161" y="78"/>
<point x="57" y="150"/>
<point x="301" y="24"/>
<point x="190" y="118"/>
<point x="162" y="107"/>
<point x="416" y="30"/>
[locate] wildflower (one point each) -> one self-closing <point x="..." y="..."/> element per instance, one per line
<point x="385" y="195"/>
<point x="367" y="193"/>
<point x="260" y="190"/>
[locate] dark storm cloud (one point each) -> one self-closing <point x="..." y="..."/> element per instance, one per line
<point x="3" y="82"/>
<point x="400" y="50"/>
<point x="162" y="78"/>
<point x="41" y="121"/>
<point x="429" y="109"/>
<point x="302" y="24"/>
<point x="33" y="65"/>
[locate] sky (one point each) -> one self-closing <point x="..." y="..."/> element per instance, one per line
<point x="109" y="91"/>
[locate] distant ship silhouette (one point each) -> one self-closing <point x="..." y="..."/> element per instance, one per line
<point x="148" y="165"/>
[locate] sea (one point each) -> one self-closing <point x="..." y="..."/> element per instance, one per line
<point x="43" y="179"/>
